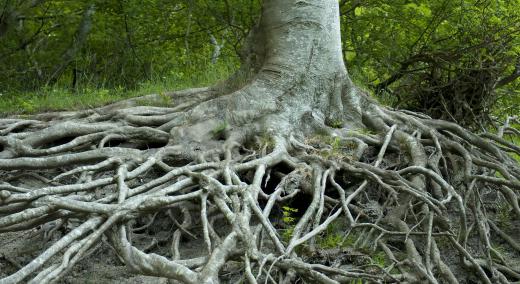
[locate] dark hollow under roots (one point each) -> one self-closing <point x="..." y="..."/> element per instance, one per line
<point x="403" y="199"/>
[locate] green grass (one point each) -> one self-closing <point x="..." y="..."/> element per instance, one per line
<point x="58" y="98"/>
<point x="515" y="140"/>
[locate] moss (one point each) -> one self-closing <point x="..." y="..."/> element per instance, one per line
<point x="265" y="140"/>
<point x="332" y="147"/>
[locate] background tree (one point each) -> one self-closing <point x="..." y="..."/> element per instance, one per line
<point x="124" y="43"/>
<point x="450" y="59"/>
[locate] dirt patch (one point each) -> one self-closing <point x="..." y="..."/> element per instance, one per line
<point x="101" y="266"/>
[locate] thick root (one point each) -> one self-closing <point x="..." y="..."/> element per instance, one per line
<point x="403" y="199"/>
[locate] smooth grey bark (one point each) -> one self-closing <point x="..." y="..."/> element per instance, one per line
<point x="293" y="75"/>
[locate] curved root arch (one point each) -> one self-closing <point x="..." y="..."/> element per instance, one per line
<point x="405" y="199"/>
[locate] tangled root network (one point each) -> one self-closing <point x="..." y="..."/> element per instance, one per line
<point x="402" y="198"/>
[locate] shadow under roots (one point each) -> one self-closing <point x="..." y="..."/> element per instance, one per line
<point x="271" y="181"/>
<point x="58" y="142"/>
<point x="347" y="180"/>
<point x="299" y="204"/>
<point x="285" y="215"/>
<point x="151" y="145"/>
<point x="139" y="145"/>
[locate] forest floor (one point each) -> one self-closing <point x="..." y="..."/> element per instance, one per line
<point x="99" y="267"/>
<point x="103" y="266"/>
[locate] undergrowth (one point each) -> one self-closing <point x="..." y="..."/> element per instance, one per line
<point x="60" y="98"/>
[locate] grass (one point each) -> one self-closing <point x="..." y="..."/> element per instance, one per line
<point x="514" y="140"/>
<point x="219" y="130"/>
<point x="58" y="98"/>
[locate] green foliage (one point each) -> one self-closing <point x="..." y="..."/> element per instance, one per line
<point x="333" y="237"/>
<point x="62" y="98"/>
<point x="336" y="124"/>
<point x="329" y="241"/>
<point x="446" y="58"/>
<point x="349" y="240"/>
<point x="288" y="213"/>
<point x="57" y="99"/>
<point x="379" y="259"/>
<point x="289" y="221"/>
<point x="335" y="143"/>
<point x="127" y="42"/>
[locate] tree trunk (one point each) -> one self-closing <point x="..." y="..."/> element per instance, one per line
<point x="301" y="39"/>
<point x="293" y="75"/>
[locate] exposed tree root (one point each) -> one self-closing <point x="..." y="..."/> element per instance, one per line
<point x="402" y="199"/>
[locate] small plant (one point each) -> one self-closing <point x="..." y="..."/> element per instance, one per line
<point x="503" y="215"/>
<point x="332" y="237"/>
<point x="219" y="131"/>
<point x="379" y="259"/>
<point x="289" y="221"/>
<point x="338" y="149"/>
<point x="329" y="241"/>
<point x="336" y="144"/>
<point x="348" y="240"/>
<point x="28" y="106"/>
<point x="336" y="124"/>
<point x="165" y="99"/>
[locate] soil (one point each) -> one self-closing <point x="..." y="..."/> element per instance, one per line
<point x="101" y="266"/>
